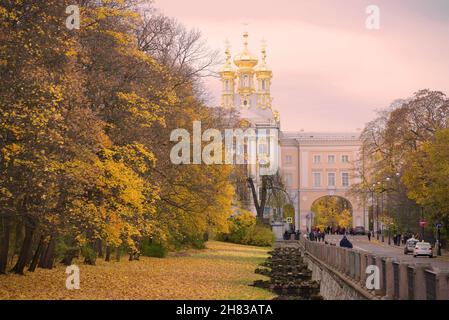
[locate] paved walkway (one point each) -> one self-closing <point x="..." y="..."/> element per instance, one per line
<point x="377" y="247"/>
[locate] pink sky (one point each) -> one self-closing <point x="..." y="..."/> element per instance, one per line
<point x="330" y="72"/>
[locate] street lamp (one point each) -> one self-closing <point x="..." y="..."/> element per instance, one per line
<point x="438" y="244"/>
<point x="377" y="211"/>
<point x="381" y="208"/>
<point x="389" y="223"/>
<point x="422" y="223"/>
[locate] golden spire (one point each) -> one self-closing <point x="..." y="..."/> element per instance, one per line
<point x="228" y="65"/>
<point x="263" y="66"/>
<point x="264" y="52"/>
<point x="245" y="59"/>
<point x="245" y="41"/>
<point x="228" y="52"/>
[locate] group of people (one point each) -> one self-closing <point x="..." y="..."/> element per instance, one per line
<point x="398" y="239"/>
<point x="288" y="234"/>
<point x="316" y="235"/>
<point x="335" y="230"/>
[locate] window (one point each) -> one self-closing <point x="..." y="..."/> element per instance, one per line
<point x="245" y="81"/>
<point x="288" y="180"/>
<point x="240" y="149"/>
<point x="316" y="179"/>
<point x="288" y="159"/>
<point x="345" y="179"/>
<point x="331" y="159"/>
<point x="345" y="158"/>
<point x="227" y="86"/>
<point x="316" y="159"/>
<point x="331" y="179"/>
<point x="263" y="149"/>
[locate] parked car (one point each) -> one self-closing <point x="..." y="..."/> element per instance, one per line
<point x="423" y="249"/>
<point x="410" y="245"/>
<point x="359" y="230"/>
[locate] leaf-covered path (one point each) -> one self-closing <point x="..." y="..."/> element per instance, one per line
<point x="222" y="271"/>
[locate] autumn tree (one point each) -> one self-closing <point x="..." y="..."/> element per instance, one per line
<point x="84" y="133"/>
<point x="427" y="177"/>
<point x="388" y="143"/>
<point x="331" y="211"/>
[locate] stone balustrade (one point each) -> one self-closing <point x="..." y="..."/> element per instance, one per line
<point x="399" y="280"/>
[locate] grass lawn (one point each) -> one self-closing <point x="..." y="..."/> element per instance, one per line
<point x="222" y="271"/>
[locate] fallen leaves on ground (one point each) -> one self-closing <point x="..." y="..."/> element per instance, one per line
<point x="222" y="271"/>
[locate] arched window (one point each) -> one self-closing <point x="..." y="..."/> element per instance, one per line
<point x="245" y="81"/>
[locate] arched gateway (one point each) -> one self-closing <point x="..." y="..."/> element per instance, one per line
<point x="316" y="165"/>
<point x="331" y="211"/>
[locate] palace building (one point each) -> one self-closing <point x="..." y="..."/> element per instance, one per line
<point x="312" y="165"/>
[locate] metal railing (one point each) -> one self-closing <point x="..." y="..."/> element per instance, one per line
<point x="410" y="283"/>
<point x="351" y="262"/>
<point x="396" y="280"/>
<point x="430" y="277"/>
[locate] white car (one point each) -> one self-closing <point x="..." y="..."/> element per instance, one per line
<point x="410" y="245"/>
<point x="423" y="249"/>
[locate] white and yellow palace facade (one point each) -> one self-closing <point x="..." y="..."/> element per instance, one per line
<point x="312" y="164"/>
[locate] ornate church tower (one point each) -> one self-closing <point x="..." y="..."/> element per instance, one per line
<point x="264" y="75"/>
<point x="248" y="87"/>
<point x="228" y="75"/>
<point x="245" y="62"/>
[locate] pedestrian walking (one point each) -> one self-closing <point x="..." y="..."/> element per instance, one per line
<point x="369" y="235"/>
<point x="345" y="243"/>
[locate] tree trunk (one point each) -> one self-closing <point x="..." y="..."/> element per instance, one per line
<point x="99" y="245"/>
<point x="117" y="254"/>
<point x="260" y="206"/>
<point x="25" y="251"/>
<point x="41" y="263"/>
<point x="4" y="245"/>
<point x="108" y="253"/>
<point x="47" y="262"/>
<point x="18" y="235"/>
<point x="37" y="254"/>
<point x="69" y="256"/>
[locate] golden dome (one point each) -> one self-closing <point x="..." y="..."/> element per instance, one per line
<point x="227" y="68"/>
<point x="263" y="67"/>
<point x="245" y="59"/>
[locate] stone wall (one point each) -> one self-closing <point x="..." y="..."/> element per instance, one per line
<point x="332" y="287"/>
<point x="398" y="280"/>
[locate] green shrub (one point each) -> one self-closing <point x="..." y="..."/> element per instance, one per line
<point x="244" y="230"/>
<point x="197" y="242"/>
<point x="259" y="235"/>
<point x="89" y="254"/>
<point x="153" y="249"/>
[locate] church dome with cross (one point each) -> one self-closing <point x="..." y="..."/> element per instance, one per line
<point x="245" y="59"/>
